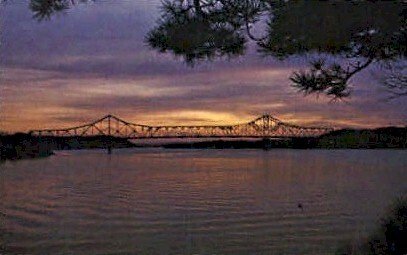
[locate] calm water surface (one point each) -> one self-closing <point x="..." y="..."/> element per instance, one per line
<point x="160" y="201"/>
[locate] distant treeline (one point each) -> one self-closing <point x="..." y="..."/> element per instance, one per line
<point x="391" y="137"/>
<point x="22" y="145"/>
<point x="388" y="137"/>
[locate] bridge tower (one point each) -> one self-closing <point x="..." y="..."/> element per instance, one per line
<point x="266" y="126"/>
<point x="109" y="133"/>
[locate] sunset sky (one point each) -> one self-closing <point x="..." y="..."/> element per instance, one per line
<point x="92" y="60"/>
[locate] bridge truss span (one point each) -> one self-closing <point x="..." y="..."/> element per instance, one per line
<point x="264" y="126"/>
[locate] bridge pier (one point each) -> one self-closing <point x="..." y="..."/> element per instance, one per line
<point x="109" y="143"/>
<point x="109" y="130"/>
<point x="44" y="148"/>
<point x="267" y="144"/>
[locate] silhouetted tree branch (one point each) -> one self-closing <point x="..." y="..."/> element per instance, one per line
<point x="361" y="32"/>
<point x="203" y="29"/>
<point x="44" y="9"/>
<point x="396" y="79"/>
<point x="331" y="80"/>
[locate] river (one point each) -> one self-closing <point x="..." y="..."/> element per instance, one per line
<point x="157" y="201"/>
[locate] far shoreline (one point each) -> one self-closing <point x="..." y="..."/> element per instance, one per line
<point x="24" y="146"/>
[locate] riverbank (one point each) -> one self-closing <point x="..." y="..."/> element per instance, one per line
<point x="23" y="146"/>
<point x="390" y="236"/>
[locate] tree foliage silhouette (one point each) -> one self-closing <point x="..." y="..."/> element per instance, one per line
<point x="197" y="30"/>
<point x="358" y="32"/>
<point x="44" y="9"/>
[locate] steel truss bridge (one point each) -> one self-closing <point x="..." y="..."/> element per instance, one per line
<point x="264" y="126"/>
